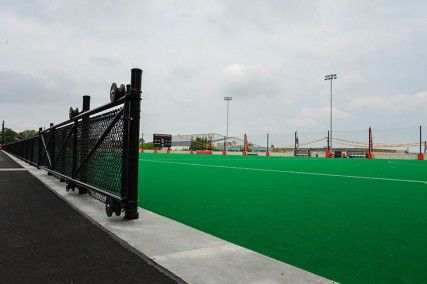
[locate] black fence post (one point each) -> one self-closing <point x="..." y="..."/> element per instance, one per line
<point x="25" y="145"/>
<point x="84" y="142"/>
<point x="131" y="206"/>
<point x="40" y="148"/>
<point x="125" y="141"/>
<point x="52" y="146"/>
<point x="70" y="184"/>
<point x="32" y="150"/>
<point x="2" y="133"/>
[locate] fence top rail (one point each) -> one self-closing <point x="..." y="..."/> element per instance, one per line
<point x="88" y="113"/>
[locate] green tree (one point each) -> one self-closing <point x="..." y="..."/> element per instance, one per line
<point x="201" y="144"/>
<point x="28" y="134"/>
<point x="9" y="135"/>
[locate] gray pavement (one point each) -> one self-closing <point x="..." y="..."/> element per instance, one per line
<point x="7" y="163"/>
<point x="44" y="240"/>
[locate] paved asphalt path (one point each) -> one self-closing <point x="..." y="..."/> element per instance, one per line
<point x="44" y="240"/>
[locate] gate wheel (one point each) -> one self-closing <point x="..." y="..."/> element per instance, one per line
<point x="117" y="208"/>
<point x="109" y="205"/>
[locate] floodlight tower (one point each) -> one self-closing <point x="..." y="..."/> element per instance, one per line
<point x="330" y="77"/>
<point x="227" y="99"/>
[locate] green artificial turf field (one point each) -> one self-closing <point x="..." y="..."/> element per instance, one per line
<point x="350" y="220"/>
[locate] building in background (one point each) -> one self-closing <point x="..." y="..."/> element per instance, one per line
<point x="183" y="142"/>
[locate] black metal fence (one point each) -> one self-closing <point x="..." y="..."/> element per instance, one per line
<point x="95" y="151"/>
<point x="26" y="150"/>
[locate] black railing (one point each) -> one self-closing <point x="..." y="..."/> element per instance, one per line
<point x="95" y="151"/>
<point x="26" y="150"/>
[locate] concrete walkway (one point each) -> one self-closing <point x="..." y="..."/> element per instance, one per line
<point x="194" y="256"/>
<point x="44" y="240"/>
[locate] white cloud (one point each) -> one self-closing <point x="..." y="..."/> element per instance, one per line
<point x="317" y="117"/>
<point x="391" y="103"/>
<point x="322" y="113"/>
<point x="241" y="72"/>
<point x="301" y="123"/>
<point x="251" y="80"/>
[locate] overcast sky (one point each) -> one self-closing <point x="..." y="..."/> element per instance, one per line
<point x="270" y="56"/>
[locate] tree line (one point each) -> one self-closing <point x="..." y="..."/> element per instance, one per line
<point x="9" y="135"/>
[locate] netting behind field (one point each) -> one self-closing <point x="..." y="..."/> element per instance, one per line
<point x="286" y="142"/>
<point x="401" y="140"/>
<point x="212" y="141"/>
<point x="392" y="140"/>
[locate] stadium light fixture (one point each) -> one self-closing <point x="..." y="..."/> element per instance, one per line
<point x="330" y="77"/>
<point x="227" y="99"/>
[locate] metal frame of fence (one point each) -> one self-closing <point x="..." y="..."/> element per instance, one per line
<point x="95" y="151"/>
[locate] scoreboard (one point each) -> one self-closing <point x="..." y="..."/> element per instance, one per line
<point x="162" y="140"/>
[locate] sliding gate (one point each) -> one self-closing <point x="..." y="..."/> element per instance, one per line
<point x="95" y="151"/>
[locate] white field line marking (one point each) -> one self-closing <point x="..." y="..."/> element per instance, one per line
<point x="289" y="172"/>
<point x="12" y="169"/>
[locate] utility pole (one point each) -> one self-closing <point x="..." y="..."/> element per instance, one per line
<point x="330" y="77"/>
<point x="2" y="133"/>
